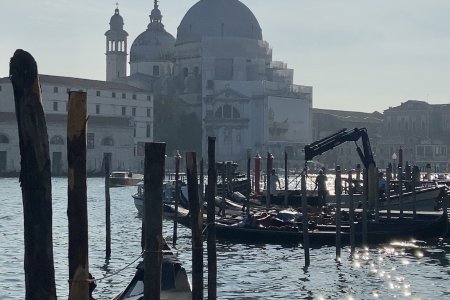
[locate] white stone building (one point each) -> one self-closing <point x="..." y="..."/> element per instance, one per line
<point x="120" y="122"/>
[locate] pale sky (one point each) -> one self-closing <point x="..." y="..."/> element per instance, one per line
<point x="361" y="55"/>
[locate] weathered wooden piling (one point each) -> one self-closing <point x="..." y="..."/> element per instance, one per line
<point x="211" y="238"/>
<point x="338" y="189"/>
<point x="77" y="196"/>
<point x="224" y="190"/>
<point x="177" y="196"/>
<point x="351" y="212"/>
<point x="388" y="190"/>
<point x="257" y="173"/>
<point x="286" y="180"/>
<point x="378" y="195"/>
<point x="364" y="208"/>
<point x="201" y="187"/>
<point x="35" y="178"/>
<point x="372" y="188"/>
<point x="107" y="206"/>
<point x="414" y="182"/>
<point x="268" y="172"/>
<point x="305" y="218"/>
<point x="249" y="182"/>
<point x="154" y="171"/>
<point x="196" y="226"/>
<point x="400" y="189"/>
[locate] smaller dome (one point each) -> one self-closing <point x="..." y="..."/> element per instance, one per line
<point x="116" y="21"/>
<point x="154" y="44"/>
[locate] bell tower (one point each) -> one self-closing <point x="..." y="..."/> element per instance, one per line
<point x="116" y="48"/>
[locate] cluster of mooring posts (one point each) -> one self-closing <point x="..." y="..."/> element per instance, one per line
<point x="35" y="178"/>
<point x="36" y="190"/>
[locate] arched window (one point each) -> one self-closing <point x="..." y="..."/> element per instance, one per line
<point x="218" y="113"/>
<point x="57" y="140"/>
<point x="148" y="131"/>
<point x="236" y="114"/>
<point x="4" y="139"/>
<point x="227" y="112"/>
<point x="108" y="141"/>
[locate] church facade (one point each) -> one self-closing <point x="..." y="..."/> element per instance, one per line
<point x="220" y="69"/>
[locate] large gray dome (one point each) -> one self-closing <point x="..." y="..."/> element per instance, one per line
<point x="218" y="18"/>
<point x="155" y="43"/>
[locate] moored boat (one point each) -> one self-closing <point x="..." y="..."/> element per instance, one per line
<point x="123" y="178"/>
<point x="175" y="284"/>
<point x="168" y="195"/>
<point x="425" y="225"/>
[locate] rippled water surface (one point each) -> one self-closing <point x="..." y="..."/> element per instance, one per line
<point x="402" y="270"/>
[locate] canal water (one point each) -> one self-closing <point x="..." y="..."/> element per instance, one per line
<point x="401" y="270"/>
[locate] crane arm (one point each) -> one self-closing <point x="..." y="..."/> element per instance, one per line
<point x="342" y="136"/>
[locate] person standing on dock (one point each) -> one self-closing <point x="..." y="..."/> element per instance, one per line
<point x="274" y="180"/>
<point x="381" y="185"/>
<point x="321" y="188"/>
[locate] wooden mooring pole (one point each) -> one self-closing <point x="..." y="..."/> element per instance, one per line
<point x="305" y="218"/>
<point x="107" y="206"/>
<point x="351" y="213"/>
<point x="154" y="165"/>
<point x="364" y="207"/>
<point x="338" y="190"/>
<point x="177" y="196"/>
<point x="257" y="173"/>
<point x="388" y="190"/>
<point x="35" y="178"/>
<point x="211" y="225"/>
<point x="77" y="196"/>
<point x="286" y="180"/>
<point x="249" y="182"/>
<point x="400" y="189"/>
<point x="196" y="226"/>
<point x="268" y="172"/>
<point x="414" y="182"/>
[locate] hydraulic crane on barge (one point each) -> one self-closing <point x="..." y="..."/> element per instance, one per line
<point x="340" y="137"/>
<point x="366" y="154"/>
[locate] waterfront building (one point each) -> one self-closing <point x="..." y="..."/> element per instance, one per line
<point x="327" y="122"/>
<point x="422" y="130"/>
<point x="120" y="122"/>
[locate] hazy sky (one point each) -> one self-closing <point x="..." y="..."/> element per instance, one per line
<point x="362" y="55"/>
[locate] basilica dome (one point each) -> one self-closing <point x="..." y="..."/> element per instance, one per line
<point x="155" y="43"/>
<point x="218" y="18"/>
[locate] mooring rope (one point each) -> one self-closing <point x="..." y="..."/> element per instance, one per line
<point x="118" y="271"/>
